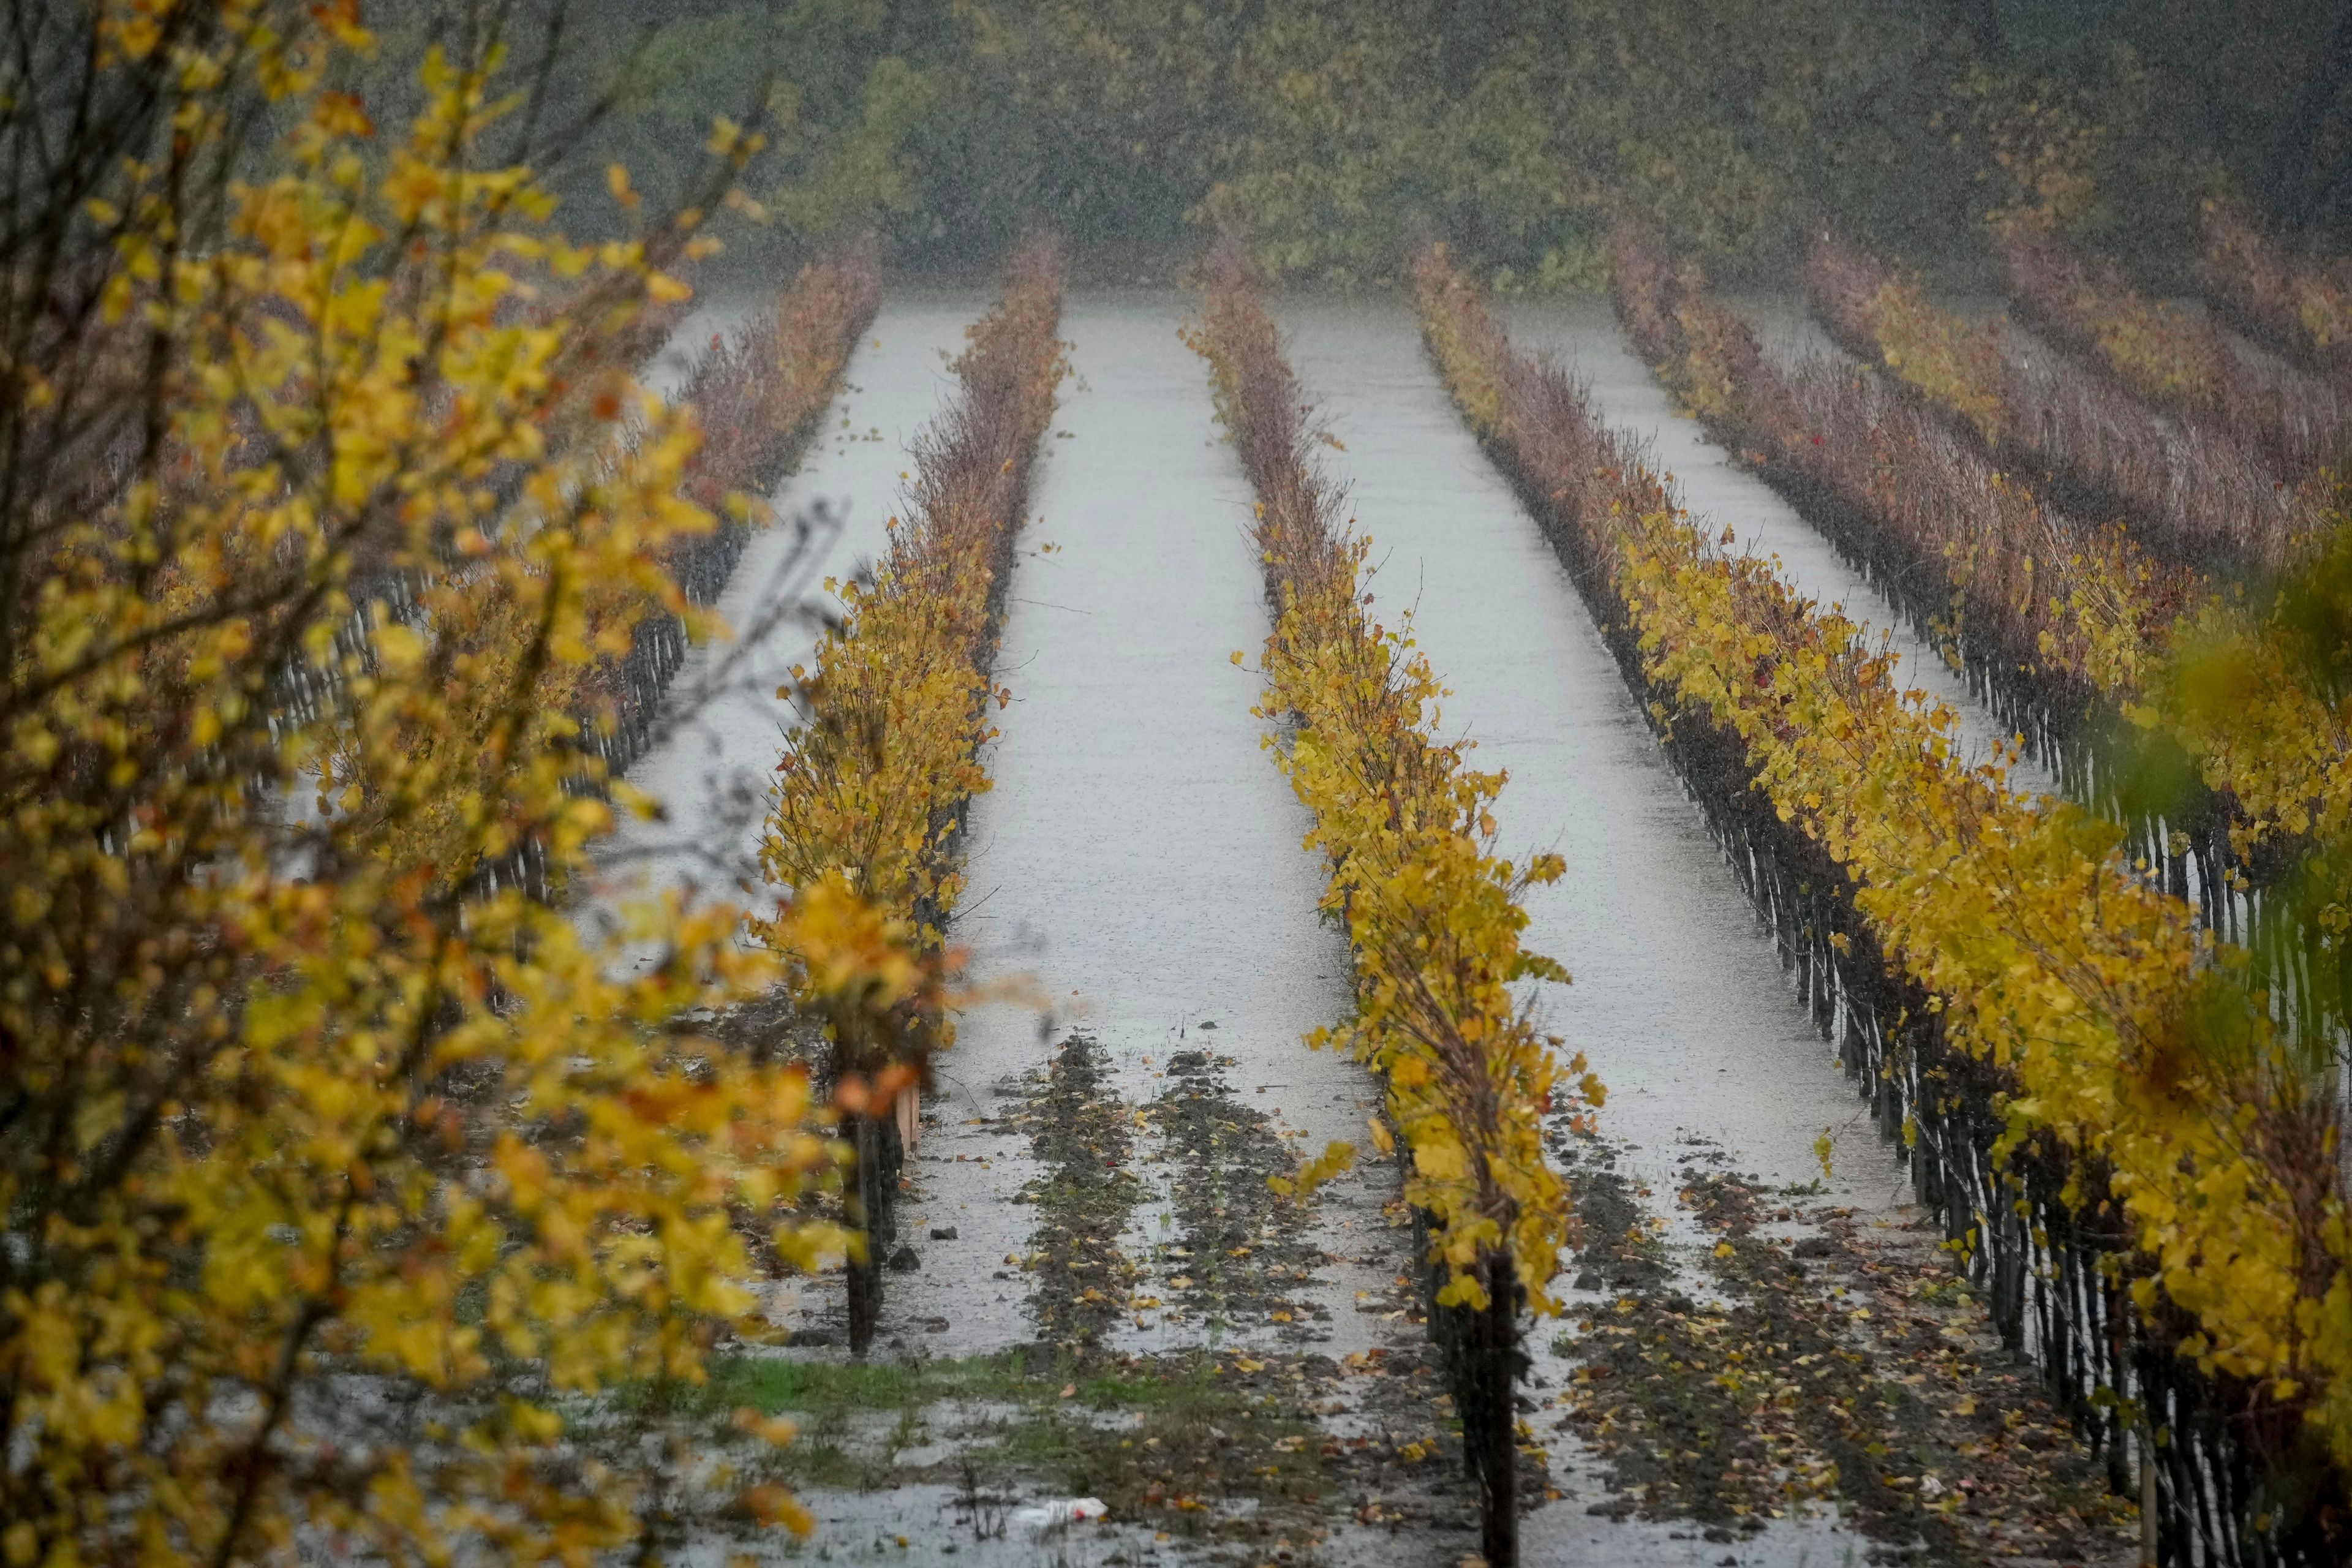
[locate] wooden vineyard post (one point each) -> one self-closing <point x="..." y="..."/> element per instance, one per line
<point x="908" y="1110"/>
<point x="1488" y="1364"/>
<point x="872" y="1208"/>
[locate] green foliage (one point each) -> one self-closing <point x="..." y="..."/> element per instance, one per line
<point x="774" y="1385"/>
<point x="2163" y="103"/>
<point x="1342" y="134"/>
<point x="850" y="174"/>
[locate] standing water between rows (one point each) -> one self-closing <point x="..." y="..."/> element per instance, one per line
<point x="1678" y="997"/>
<point x="727" y="722"/>
<point x="1138" y="861"/>
<point x="1089" y="1187"/>
<point x="1584" y="335"/>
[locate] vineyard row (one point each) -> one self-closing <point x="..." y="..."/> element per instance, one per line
<point x="869" y="795"/>
<point x="758" y="398"/>
<point x="2008" y="988"/>
<point x="2158" y="696"/>
<point x="1433" y="912"/>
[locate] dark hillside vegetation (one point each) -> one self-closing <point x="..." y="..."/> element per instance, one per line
<point x="1346" y="131"/>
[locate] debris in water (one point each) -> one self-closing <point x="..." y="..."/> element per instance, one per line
<point x="1060" y="1511"/>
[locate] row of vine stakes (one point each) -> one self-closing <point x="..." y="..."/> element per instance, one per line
<point x="1997" y="971"/>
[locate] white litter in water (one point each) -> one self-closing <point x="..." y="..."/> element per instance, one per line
<point x="1061" y="1510"/>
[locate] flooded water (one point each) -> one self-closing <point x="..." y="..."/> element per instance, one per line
<point x="1784" y="328"/>
<point x="728" y="721"/>
<point x="665" y="374"/>
<point x="1584" y="335"/>
<point x="1678" y="997"/>
<point x="1139" y="858"/>
<point x="1092" y="1171"/>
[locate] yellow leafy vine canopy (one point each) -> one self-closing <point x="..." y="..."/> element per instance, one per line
<point x="1434" y="915"/>
<point x="2121" y="1030"/>
<point x="307" y="1110"/>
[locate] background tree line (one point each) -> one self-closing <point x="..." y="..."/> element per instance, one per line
<point x="1344" y="133"/>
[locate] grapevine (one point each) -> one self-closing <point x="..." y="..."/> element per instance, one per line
<point x="2031" y="950"/>
<point x="869" y="795"/>
<point x="1433" y="912"/>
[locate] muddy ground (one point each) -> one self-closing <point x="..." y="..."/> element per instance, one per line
<point x="1746" y="1374"/>
<point x="1814" y="1358"/>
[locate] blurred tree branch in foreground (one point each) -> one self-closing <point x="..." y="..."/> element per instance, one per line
<point x="346" y="1196"/>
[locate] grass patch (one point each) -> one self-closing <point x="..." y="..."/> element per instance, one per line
<point x="822" y="1464"/>
<point x="773" y="1385"/>
<point x="776" y="1385"/>
<point x="1175" y="1391"/>
<point x="1193" y="1441"/>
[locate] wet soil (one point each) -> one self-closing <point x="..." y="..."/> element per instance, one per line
<point x="1243" y="1252"/>
<point x="1080" y="1133"/>
<point x="1245" y="1444"/>
<point x="1230" y="1254"/>
<point x="1820" y="1359"/>
<point x="1197" y="1456"/>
